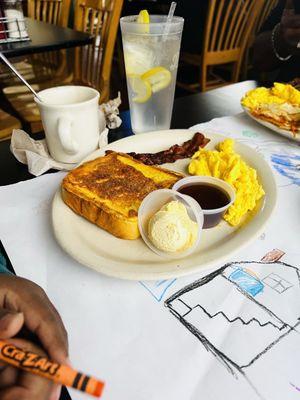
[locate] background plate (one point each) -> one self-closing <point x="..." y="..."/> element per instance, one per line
<point x="282" y="132"/>
<point x="127" y="259"/>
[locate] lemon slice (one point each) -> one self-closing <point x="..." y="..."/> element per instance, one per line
<point x="143" y="17"/>
<point x="158" y="78"/>
<point x="141" y="88"/>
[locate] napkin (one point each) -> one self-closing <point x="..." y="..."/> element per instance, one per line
<point x="111" y="112"/>
<point x="35" y="153"/>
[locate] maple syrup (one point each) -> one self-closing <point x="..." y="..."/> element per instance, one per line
<point x="210" y="197"/>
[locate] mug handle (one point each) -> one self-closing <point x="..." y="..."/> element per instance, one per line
<point x="64" y="125"/>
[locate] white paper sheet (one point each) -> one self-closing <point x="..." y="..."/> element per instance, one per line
<point x="232" y="333"/>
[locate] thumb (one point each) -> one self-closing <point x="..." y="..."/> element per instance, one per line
<point x="11" y="323"/>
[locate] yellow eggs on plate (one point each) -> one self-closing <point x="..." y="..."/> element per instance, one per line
<point x="224" y="163"/>
<point x="280" y="93"/>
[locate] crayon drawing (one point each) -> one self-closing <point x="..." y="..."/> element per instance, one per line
<point x="284" y="160"/>
<point x="288" y="166"/>
<point x="241" y="311"/>
<point x="277" y="283"/>
<point x="159" y="288"/>
<point x="294" y="386"/>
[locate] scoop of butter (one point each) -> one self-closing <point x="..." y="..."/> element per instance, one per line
<point x="171" y="229"/>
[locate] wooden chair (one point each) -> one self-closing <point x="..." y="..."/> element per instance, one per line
<point x="7" y="124"/>
<point x="93" y="63"/>
<point x="40" y="66"/>
<point x="42" y="69"/>
<point x="52" y="11"/>
<point x="228" y="26"/>
<point x="22" y="101"/>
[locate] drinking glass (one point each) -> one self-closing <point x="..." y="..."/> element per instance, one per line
<point x="151" y="53"/>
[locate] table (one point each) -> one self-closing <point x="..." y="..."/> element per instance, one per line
<point x="216" y="103"/>
<point x="45" y="37"/>
<point x="187" y="111"/>
<point x="128" y="333"/>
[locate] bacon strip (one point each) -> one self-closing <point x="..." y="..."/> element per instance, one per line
<point x="176" y="152"/>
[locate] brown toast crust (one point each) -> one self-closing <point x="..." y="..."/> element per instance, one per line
<point x="104" y="179"/>
<point x="113" y="223"/>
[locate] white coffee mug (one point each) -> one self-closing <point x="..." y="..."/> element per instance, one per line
<point x="70" y="117"/>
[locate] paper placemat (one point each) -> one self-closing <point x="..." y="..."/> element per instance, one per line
<point x="229" y="334"/>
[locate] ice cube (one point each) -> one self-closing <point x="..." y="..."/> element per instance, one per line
<point x="139" y="57"/>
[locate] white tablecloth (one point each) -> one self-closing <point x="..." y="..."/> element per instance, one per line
<point x="235" y="335"/>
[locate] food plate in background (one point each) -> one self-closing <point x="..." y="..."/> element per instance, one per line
<point x="282" y="132"/>
<point x="132" y="259"/>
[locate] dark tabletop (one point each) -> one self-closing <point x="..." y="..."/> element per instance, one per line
<point x="188" y="111"/>
<point x="45" y="37"/>
<point x="202" y="107"/>
<point x="196" y="108"/>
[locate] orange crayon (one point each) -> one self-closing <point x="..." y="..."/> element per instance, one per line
<point x="42" y="366"/>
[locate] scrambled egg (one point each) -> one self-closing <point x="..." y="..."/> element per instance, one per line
<point x="280" y="93"/>
<point x="225" y="164"/>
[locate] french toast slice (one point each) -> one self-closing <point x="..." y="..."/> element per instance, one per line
<point x="108" y="191"/>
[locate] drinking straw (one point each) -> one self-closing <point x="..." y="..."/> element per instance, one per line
<point x="42" y="366"/>
<point x="169" y="19"/>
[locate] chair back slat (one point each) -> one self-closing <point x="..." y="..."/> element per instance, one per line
<point x="51" y="11"/>
<point x="93" y="15"/>
<point x="100" y="18"/>
<point x="38" y="10"/>
<point x="85" y="20"/>
<point x="44" y="11"/>
<point x="208" y="26"/>
<point x="243" y="26"/>
<point x="231" y="25"/>
<point x="54" y="12"/>
<point x="224" y="25"/>
<point x="217" y="17"/>
<point x="57" y="6"/>
<point x="241" y="16"/>
<point x="242" y="23"/>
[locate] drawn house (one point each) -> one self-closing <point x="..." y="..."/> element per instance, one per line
<point x="240" y="311"/>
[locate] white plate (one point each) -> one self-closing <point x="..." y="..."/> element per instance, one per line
<point x="282" y="132"/>
<point x="128" y="259"/>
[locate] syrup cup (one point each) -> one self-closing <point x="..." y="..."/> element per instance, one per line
<point x="212" y="217"/>
<point x="153" y="203"/>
